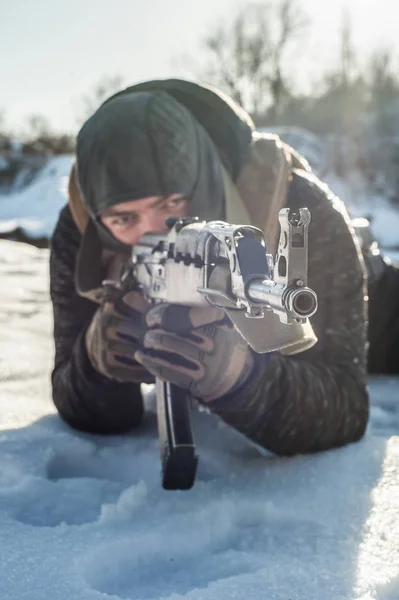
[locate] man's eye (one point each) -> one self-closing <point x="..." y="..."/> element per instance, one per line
<point x="174" y="203"/>
<point x="123" y="220"/>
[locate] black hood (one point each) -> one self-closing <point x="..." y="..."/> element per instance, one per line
<point x="226" y="123"/>
<point x="144" y="142"/>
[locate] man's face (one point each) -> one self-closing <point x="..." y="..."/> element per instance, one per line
<point x="129" y="221"/>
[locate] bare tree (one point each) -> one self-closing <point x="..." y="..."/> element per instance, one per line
<point x="38" y="126"/>
<point x="39" y="138"/>
<point x="348" y="55"/>
<point x="346" y="70"/>
<point x="382" y="79"/>
<point x="100" y="92"/>
<point x="247" y="57"/>
<point x="4" y="138"/>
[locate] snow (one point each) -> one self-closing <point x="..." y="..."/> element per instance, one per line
<point x="383" y="216"/>
<point x="35" y="208"/>
<point x="84" y="517"/>
<point x="359" y="196"/>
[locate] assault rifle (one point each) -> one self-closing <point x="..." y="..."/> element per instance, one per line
<point x="200" y="263"/>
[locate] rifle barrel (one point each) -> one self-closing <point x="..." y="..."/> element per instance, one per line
<point x="300" y="302"/>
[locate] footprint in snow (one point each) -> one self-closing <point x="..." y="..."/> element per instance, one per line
<point x="73" y="502"/>
<point x="162" y="563"/>
<point x="78" y="480"/>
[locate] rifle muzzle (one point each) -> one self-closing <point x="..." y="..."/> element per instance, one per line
<point x="297" y="301"/>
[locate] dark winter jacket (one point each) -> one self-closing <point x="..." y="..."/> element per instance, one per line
<point x="383" y="332"/>
<point x="311" y="401"/>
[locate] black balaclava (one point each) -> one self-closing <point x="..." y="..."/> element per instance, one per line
<point x="145" y="143"/>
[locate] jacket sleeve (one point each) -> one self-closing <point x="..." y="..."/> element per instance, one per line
<point x="84" y="398"/>
<point x="317" y="399"/>
<point x="383" y="333"/>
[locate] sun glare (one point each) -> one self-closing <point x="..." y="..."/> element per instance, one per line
<point x="378" y="563"/>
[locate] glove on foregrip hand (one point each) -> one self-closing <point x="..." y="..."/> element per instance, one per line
<point x="196" y="349"/>
<point x="114" y="335"/>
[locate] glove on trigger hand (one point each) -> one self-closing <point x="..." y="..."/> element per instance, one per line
<point x="196" y="349"/>
<point x="114" y="335"/>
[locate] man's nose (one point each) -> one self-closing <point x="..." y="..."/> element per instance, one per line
<point x="148" y="223"/>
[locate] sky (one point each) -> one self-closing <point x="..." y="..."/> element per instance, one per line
<point x="53" y="53"/>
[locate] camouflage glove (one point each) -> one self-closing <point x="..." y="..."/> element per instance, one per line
<point x="114" y="335"/>
<point x="197" y="349"/>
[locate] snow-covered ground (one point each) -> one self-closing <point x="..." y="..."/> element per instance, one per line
<point x="384" y="217"/>
<point x="359" y="197"/>
<point x="34" y="209"/>
<point x="85" y="518"/>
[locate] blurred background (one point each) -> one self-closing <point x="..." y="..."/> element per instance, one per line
<point x="324" y="76"/>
